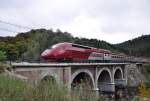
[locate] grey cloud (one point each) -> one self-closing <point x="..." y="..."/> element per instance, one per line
<point x="14" y="4"/>
<point x="121" y="15"/>
<point x="110" y="16"/>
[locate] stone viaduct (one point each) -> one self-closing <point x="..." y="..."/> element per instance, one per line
<point x="98" y="76"/>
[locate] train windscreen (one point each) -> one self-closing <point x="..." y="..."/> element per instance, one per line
<point x="80" y="46"/>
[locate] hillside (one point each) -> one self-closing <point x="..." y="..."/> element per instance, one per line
<point x="28" y="46"/>
<point x="138" y="47"/>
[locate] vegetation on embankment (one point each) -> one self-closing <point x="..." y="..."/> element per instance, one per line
<point x="144" y="86"/>
<point x="28" y="46"/>
<point x="146" y="73"/>
<point x="138" y="47"/>
<point x="13" y="89"/>
<point x="3" y="67"/>
<point x="144" y="91"/>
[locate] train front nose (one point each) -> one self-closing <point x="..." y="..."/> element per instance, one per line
<point x="47" y="54"/>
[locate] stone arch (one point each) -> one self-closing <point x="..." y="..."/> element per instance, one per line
<point x="48" y="76"/>
<point x="104" y="69"/>
<point x="82" y="74"/>
<point x="104" y="79"/>
<point x="118" y="73"/>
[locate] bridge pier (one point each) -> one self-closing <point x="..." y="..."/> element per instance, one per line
<point x="120" y="82"/>
<point x="107" y="87"/>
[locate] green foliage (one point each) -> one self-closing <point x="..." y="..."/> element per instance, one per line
<point x="146" y="72"/>
<point x="147" y="67"/>
<point x="95" y="43"/>
<point x="138" y="47"/>
<point x="13" y="47"/>
<point x="2" y="67"/>
<point x="12" y="89"/>
<point x="45" y="91"/>
<point x="144" y="91"/>
<point x="2" y="56"/>
<point x="28" y="46"/>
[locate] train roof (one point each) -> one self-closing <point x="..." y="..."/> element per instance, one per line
<point x="58" y="44"/>
<point x="82" y="46"/>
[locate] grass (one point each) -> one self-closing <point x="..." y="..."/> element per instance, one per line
<point x="3" y="67"/>
<point x="12" y="89"/>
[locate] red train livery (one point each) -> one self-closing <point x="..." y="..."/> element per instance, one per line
<point x="70" y="52"/>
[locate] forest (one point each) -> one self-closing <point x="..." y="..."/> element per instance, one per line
<point x="137" y="47"/>
<point x="28" y="46"/>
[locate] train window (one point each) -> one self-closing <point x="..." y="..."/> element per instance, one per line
<point x="106" y="54"/>
<point x="80" y="46"/>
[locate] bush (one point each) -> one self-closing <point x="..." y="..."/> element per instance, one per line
<point x="144" y="91"/>
<point x="3" y="67"/>
<point x="16" y="90"/>
<point x="2" y="56"/>
<point x="11" y="89"/>
<point x="146" y="72"/>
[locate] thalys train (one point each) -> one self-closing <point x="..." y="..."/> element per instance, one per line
<point x="70" y="52"/>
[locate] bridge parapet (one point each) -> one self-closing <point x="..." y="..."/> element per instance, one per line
<point x="20" y="65"/>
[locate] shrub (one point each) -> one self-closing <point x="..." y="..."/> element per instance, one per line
<point x="2" y="56"/>
<point x="3" y="67"/>
<point x="12" y="89"/>
<point x="144" y="91"/>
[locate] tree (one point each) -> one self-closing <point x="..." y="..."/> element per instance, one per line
<point x="21" y="48"/>
<point x="2" y="56"/>
<point x="11" y="52"/>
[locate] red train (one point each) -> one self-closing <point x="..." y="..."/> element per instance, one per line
<point x="69" y="52"/>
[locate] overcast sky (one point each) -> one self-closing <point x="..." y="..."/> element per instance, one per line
<point x="114" y="21"/>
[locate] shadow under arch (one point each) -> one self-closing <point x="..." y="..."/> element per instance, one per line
<point x="82" y="79"/>
<point x="104" y="80"/>
<point x="118" y="74"/>
<point x="48" y="78"/>
<point x="118" y="78"/>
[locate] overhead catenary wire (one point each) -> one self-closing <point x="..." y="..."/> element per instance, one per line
<point x="8" y="30"/>
<point x="16" y="25"/>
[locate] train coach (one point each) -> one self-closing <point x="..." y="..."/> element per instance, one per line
<point x="75" y="52"/>
<point x="70" y="52"/>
